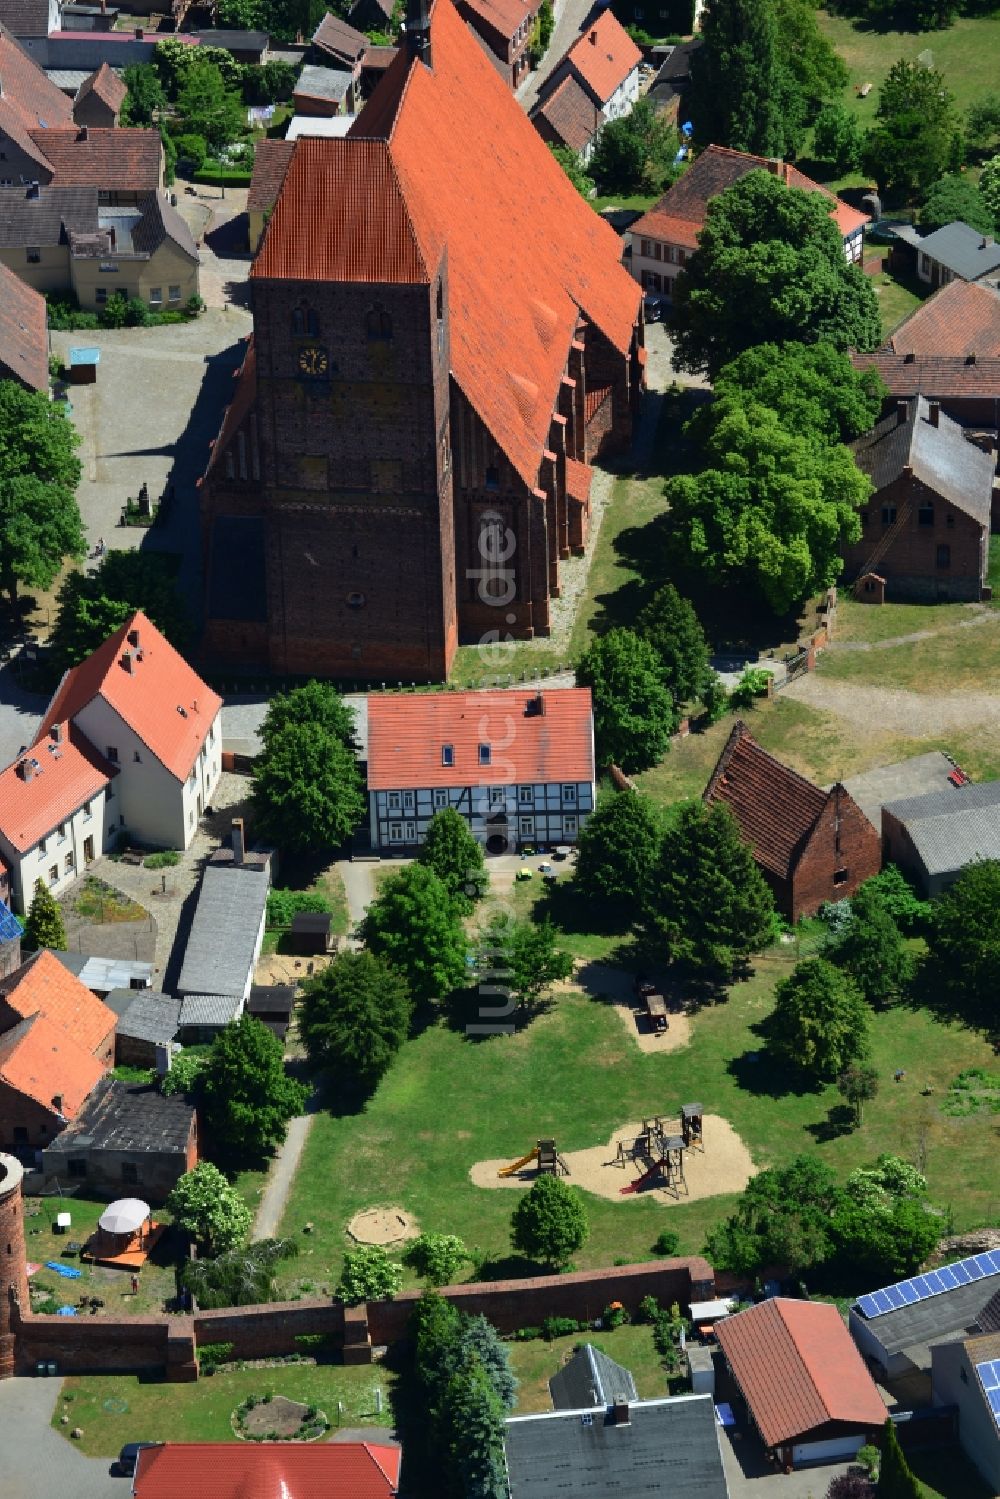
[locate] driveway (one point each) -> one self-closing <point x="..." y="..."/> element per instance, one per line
<point x="751" y="1476"/>
<point x="38" y="1463"/>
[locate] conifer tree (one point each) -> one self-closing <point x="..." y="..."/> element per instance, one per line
<point x="44" y="925"/>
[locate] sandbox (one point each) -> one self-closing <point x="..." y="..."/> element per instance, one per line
<point x="391" y="1225"/>
<point x="724" y="1165"/>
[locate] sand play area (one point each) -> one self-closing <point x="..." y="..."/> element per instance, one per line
<point x="385" y="1226"/>
<point x="723" y="1166"/>
<point x="606" y="982"/>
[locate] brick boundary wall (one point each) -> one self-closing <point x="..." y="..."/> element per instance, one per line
<point x="169" y="1343"/>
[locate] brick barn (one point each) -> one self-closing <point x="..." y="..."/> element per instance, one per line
<point x="810" y="845"/>
<point x="444" y="341"/>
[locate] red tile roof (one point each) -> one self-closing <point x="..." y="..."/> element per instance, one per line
<point x="503" y="16"/>
<point x="68" y="774"/>
<point x="405" y="735"/>
<point x="710" y="174"/>
<point x="268" y="1470"/>
<point x="107" y="85"/>
<point x="113" y="159"/>
<point x="43" y="986"/>
<point x="798" y="1369"/>
<point x="148" y="698"/>
<point x="29" y="100"/>
<point x="270" y="163"/>
<point x="961" y="318"/>
<point x="578" y="480"/>
<point x="946" y="378"/>
<point x="604" y="56"/>
<point x="570" y="113"/>
<point x="774" y="807"/>
<point x="23" y="340"/>
<point x="458" y="165"/>
<point x="43" y="1062"/>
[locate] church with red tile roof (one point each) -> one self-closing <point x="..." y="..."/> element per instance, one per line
<point x="444" y="342"/>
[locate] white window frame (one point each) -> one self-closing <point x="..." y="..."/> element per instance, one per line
<point x="156" y="296"/>
<point x="395" y="832"/>
<point x="569" y="798"/>
<point x="409" y="832"/>
<point x="498" y="796"/>
<point x="393" y="801"/>
<point x="571" y="826"/>
<point x="526" y="794"/>
<point x="409" y="801"/>
<point x="526" y="827"/>
<point x="174" y="293"/>
<point x="447" y="754"/>
<point x="486" y="754"/>
<point x="440" y="798"/>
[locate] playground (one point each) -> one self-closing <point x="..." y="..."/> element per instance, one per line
<point x="385" y="1226"/>
<point x="658" y="1159"/>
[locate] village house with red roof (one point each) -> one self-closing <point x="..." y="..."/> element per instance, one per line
<point x="444" y="342"/>
<point x="130" y="745"/>
<point x="596" y="81"/>
<point x="810" y="845"/>
<point x="504" y="29"/>
<point x="518" y="766"/>
<point x="268" y="1470"/>
<point x="664" y="237"/>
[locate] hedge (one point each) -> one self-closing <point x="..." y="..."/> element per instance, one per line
<point x="221" y="176"/>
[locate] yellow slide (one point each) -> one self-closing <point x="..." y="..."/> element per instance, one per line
<point x="518" y="1165"/>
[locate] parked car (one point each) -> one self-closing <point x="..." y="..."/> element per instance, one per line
<point x="653" y="306"/>
<point x="128" y="1457"/>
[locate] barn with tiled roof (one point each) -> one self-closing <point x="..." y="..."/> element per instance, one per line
<point x="810" y="845"/>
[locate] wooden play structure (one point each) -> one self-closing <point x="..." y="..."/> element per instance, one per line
<point x="549" y="1161"/>
<point x="662" y="1150"/>
<point x="693" y="1126"/>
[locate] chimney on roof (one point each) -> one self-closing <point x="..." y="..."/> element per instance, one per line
<point x="26" y="768"/>
<point x="83" y="134"/>
<point x="57" y="1102"/>
<point x="535" y="706"/>
<point x="907" y="470"/>
<point x="56" y="732"/>
<point x="970" y="358"/>
<point x="593" y="38"/>
<point x="934" y="413"/>
<point x="987" y="242"/>
<point x="128" y="661"/>
<point x="133" y="638"/>
<point x="418" y="31"/>
<point x="902" y="412"/>
<point x="619" y="1411"/>
<point x="238" y="844"/>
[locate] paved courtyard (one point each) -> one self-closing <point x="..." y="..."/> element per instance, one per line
<point x="37" y="1463"/>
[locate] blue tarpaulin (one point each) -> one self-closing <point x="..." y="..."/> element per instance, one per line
<point x="84" y="356"/>
<point x="68" y="1272"/>
<point x="66" y="1311"/>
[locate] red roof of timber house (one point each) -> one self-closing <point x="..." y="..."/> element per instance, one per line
<point x="268" y="1470"/>
<point x="799" y="1369"/>
<point x="107" y="86"/>
<point x="114" y="159"/>
<point x="604" y="55"/>
<point x="775" y="808"/>
<point x="407" y="733"/>
<point x="952" y="377"/>
<point x="570" y="113"/>
<point x="961" y="318"/>
<point x="443" y="161"/>
<point x="43" y="1062"/>
<point x="503" y="16"/>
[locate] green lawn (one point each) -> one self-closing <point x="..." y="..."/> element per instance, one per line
<point x="948" y="660"/>
<point x="114" y="1287"/>
<point x="114" y="1409"/>
<point x="535" y="1363"/>
<point x="966" y="53"/>
<point x="639" y="201"/>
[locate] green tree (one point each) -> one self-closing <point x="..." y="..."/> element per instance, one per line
<point x="741" y="94"/>
<point x="818" y="71"/>
<point x="247" y="1097"/>
<point x="172" y="58"/>
<point x="634" y="714"/>
<point x="270" y="83"/>
<point x="456" y="857"/>
<point x="895" y="1480"/>
<point x="636" y="152"/>
<point x="185" y="1072"/>
<point x="435" y="1329"/>
<point x="574" y="169"/>
<point x="243" y="15"/>
<point x="769" y="268"/>
<point x="783" y="1217"/>
<point x="771" y="509"/>
<point x="898" y="896"/>
<point x="240" y="1277"/>
<point x="871" y="949"/>
<point x="480" y="1339"/>
<point x="475" y="1432"/>
<point x="315" y="703"/>
<point x="206" y="1206"/>
<point x="989" y="188"/>
<point x="368" y="1275"/>
<point x="982" y="122"/>
<point x="710" y="905"/>
<point x="209" y="107"/>
<point x="145" y="95"/>
<point x="40" y="525"/>
<point x="813" y="388"/>
<point x="414" y="925"/>
<point x="91" y="606"/>
<point x="192" y="150"/>
<point x="617" y="854"/>
<point x="437" y="1258"/>
<point x="306" y="788"/>
<point x="819" y="1024"/>
<point x="964" y="937"/>
<point x="913" y="140"/>
<point x="954" y="197"/>
<point x="857" y="1084"/>
<point x="674" y="630"/>
<point x="838" y="138"/>
<point x="43" y="926"/>
<point x="523" y="956"/>
<point x="549" y="1223"/>
<point x="355" y="1016"/>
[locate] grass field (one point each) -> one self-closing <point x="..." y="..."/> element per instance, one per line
<point x="156" y="1281"/>
<point x="966" y="53"/>
<point x="535" y="1363"/>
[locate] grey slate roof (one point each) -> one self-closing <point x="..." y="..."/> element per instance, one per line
<point x="208" y="1009"/>
<point x="128" y="1117"/>
<point x="950" y="829"/>
<point x="668" y="1450"/>
<point x="150" y="1017"/>
<point x="44" y="220"/>
<point x="941" y="457"/>
<point x="931" y="1320"/>
<point x="590" y="1378"/>
<point x="271" y="999"/>
<point x="961" y="249"/>
<point x="220" y="948"/>
<point x="323" y="83"/>
<point x="25" y="17"/>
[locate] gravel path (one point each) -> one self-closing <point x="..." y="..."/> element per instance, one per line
<point x="280" y="1178"/>
<point x="895" y="710"/>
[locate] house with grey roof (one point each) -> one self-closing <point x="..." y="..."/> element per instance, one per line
<point x="896" y="1327"/>
<point x="203" y="1016"/>
<point x="226" y="935"/>
<point x="589" y="1377"/>
<point x="966" y="1374"/>
<point x="323" y="91"/>
<point x="932" y="838"/>
<point x="128" y="1140"/>
<point x="957" y="252"/>
<point x="661" y="1449"/>
<point x="147" y="1022"/>
<point x="925" y="530"/>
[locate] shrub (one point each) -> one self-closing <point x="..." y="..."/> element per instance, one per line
<point x="192" y="149"/>
<point x="436" y="1257"/>
<point x="667" y="1242"/>
<point x="211" y="1355"/>
<point x="166" y="858"/>
<point x="283" y="905"/>
<point x="615" y="1315"/>
<point x="527" y="1334"/>
<point x="561" y="1327"/>
<point x="368" y="1275"/>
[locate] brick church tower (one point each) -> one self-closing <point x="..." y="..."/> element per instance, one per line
<point x="13" y="1259"/>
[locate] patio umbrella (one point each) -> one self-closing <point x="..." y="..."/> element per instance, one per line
<point x="124" y="1217"/>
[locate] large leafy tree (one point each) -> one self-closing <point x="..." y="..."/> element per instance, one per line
<point x="40" y="525"/>
<point x="783" y="1218"/>
<point x="246" y="1096"/>
<point x="635" y="153"/>
<point x="838" y="138"/>
<point x="436" y="1257"/>
<point x="480" y="1338"/>
<point x="989" y="188"/>
<point x="634" y="714"/>
<point x="955" y="197"/>
<point x="240" y="1277"/>
<point x="871" y="949"/>
<point x="674" y="630"/>
<point x="857" y="1084"/>
<point x="210" y="1209"/>
<point x="315" y="703"/>
<point x="94" y="605"/>
<point x="710" y="906"/>
<point x="355" y="1016"/>
<point x="915" y="135"/>
<point x="819" y="1024"/>
<point x="414" y="925"/>
<point x="617" y="854"/>
<point x="741" y="93"/>
<point x="145" y="94"/>
<point x="43" y="925"/>
<point x="965" y="938"/>
<point x="455" y="856"/>
<point x="549" y="1224"/>
<point x="982" y="122"/>
<point x="813" y="388"/>
<point x="306" y="788"/>
<point x="818" y="71"/>
<point x="524" y="956"/>
<point x="769" y="268"/>
<point x="771" y="508"/>
<point x="208" y="106"/>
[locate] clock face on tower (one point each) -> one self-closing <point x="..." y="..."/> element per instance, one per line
<point x="314" y="361"/>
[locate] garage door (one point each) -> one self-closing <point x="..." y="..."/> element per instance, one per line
<point x="837" y="1450"/>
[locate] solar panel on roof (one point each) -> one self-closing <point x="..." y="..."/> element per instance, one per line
<point x="867" y="1306"/>
<point x="989" y="1373"/>
<point x="994" y="1399"/>
<point x="932" y="1283"/>
<point x="985" y="1263"/>
<point x="933" y="1279"/>
<point x="908" y="1293"/>
<point x="973" y="1267"/>
<point x="882" y="1301"/>
<point x="922" y="1286"/>
<point x="960" y="1273"/>
<point x="895" y="1296"/>
<point x="947" y="1278"/>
